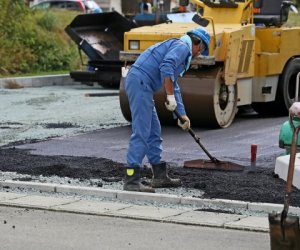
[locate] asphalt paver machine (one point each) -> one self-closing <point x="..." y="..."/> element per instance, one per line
<point x="100" y="37"/>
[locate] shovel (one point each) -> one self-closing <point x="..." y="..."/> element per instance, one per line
<point x="213" y="163"/>
<point x="284" y="228"/>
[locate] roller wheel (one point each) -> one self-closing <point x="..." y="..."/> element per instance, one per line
<point x="208" y="101"/>
<point x="124" y="104"/>
<point x="225" y="103"/>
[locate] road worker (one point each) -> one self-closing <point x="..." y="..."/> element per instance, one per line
<point x="159" y="65"/>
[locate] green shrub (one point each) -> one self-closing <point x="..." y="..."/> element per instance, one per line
<point x="48" y="21"/>
<point x="34" y="41"/>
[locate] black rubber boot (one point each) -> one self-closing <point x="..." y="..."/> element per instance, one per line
<point x="160" y="177"/>
<point x="132" y="181"/>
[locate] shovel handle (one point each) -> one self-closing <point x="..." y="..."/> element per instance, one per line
<point x="293" y="153"/>
<point x="196" y="138"/>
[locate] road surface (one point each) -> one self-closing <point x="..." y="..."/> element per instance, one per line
<point x="29" y="229"/>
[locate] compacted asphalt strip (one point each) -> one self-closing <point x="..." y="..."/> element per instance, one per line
<point x="194" y="211"/>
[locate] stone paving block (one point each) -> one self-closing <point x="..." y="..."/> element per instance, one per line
<point x="39" y="81"/>
<point x="232" y="204"/>
<point x="214" y="203"/>
<point x="206" y="218"/>
<point x="253" y="223"/>
<point x="95" y="207"/>
<point x="270" y="207"/>
<point x="45" y="187"/>
<point x="60" y="80"/>
<point x="40" y="201"/>
<point x="97" y="192"/>
<point x="197" y="202"/>
<point x="150" y="212"/>
<point x="9" y="196"/>
<point x="264" y="207"/>
<point x="152" y="197"/>
<point x="294" y="210"/>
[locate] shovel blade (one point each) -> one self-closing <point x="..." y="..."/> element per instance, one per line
<point x="286" y="236"/>
<point x="210" y="165"/>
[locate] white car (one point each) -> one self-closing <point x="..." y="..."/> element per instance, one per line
<point x="87" y="6"/>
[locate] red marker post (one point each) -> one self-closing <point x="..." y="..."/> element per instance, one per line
<point x="253" y="153"/>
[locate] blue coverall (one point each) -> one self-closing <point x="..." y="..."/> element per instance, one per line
<point x="146" y="76"/>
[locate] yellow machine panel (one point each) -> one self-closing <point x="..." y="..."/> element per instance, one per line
<point x="149" y="35"/>
<point x="275" y="46"/>
<point x="239" y="54"/>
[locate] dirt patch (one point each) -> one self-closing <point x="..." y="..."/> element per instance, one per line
<point x="60" y="125"/>
<point x="12" y="84"/>
<point x="256" y="185"/>
<point x="10" y="125"/>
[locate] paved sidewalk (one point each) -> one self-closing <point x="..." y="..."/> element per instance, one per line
<point x="154" y="207"/>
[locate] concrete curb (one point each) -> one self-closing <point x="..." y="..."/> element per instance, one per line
<point x="36" y="81"/>
<point x="214" y="204"/>
<point x="115" y="208"/>
<point x="184" y="216"/>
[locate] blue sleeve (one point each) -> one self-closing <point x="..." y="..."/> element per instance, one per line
<point x="180" y="106"/>
<point x="173" y="60"/>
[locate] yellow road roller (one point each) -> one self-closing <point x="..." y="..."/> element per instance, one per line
<point x="253" y="60"/>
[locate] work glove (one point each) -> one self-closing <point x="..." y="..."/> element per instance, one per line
<point x="171" y="103"/>
<point x="187" y="123"/>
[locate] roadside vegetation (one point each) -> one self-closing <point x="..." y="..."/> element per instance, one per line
<point x="34" y="41"/>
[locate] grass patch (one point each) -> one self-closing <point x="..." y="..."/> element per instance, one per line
<point x="34" y="41"/>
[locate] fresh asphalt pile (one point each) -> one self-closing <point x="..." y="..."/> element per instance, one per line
<point x="30" y="115"/>
<point x="256" y="185"/>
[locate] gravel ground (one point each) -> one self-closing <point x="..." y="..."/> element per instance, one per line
<point x="38" y="113"/>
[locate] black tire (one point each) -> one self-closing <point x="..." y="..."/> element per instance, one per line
<point x="268" y="109"/>
<point x="287" y="84"/>
<point x="285" y="95"/>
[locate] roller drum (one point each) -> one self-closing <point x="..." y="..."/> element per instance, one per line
<point x="208" y="101"/>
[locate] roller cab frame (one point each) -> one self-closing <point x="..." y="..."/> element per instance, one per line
<point x="253" y="60"/>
